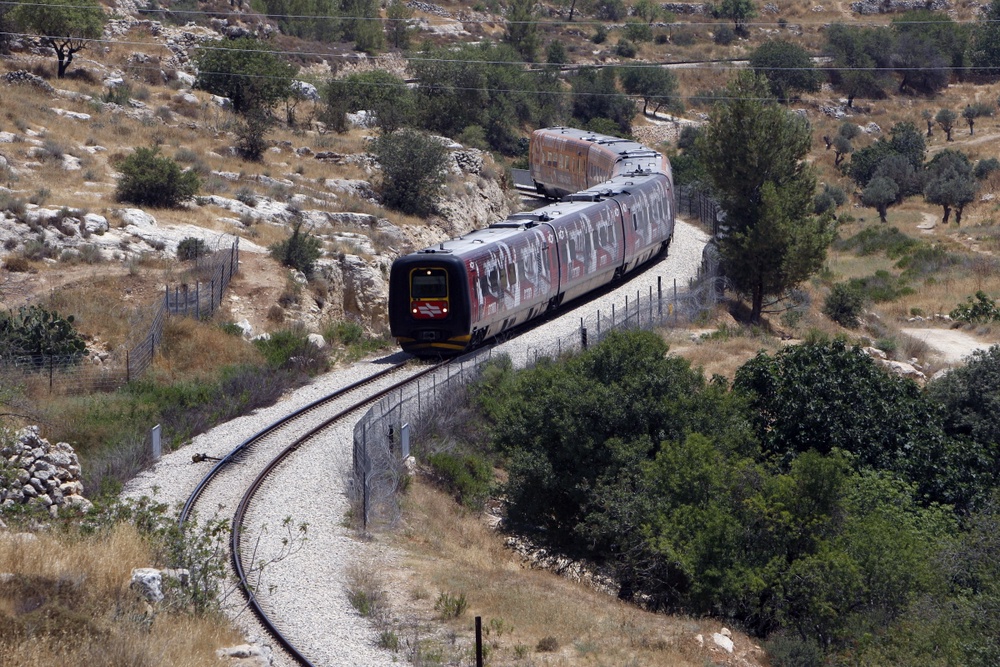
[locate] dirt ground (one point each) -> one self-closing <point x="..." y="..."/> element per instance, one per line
<point x="950" y="345"/>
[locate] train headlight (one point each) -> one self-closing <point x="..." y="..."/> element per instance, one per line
<point x="414" y="311"/>
<point x="444" y="310"/>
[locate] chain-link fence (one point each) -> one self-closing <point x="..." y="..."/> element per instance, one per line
<point x="382" y="436"/>
<point x="106" y="372"/>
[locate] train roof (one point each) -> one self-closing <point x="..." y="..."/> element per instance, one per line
<point x="615" y="144"/>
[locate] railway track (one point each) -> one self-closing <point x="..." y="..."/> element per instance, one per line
<point x="252" y="467"/>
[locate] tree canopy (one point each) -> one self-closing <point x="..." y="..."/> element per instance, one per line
<point x="950" y="183"/>
<point x="787" y="66"/>
<point x="246" y="70"/>
<point x="413" y="169"/>
<point x="65" y="26"/>
<point x="654" y="85"/>
<point x="753" y="151"/>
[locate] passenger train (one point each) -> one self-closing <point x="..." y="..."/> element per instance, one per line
<point x="617" y="212"/>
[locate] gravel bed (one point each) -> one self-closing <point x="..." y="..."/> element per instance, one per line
<point x="305" y="594"/>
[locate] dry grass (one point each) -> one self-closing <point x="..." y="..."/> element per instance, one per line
<point x="451" y="551"/>
<point x="193" y="350"/>
<point x="68" y="601"/>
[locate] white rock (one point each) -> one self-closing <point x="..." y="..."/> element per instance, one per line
<point x="7" y="137"/>
<point x="317" y="340"/>
<point x="95" y="224"/>
<point x="186" y="79"/>
<point x="723" y="642"/>
<point x="72" y="114"/>
<point x="149" y="582"/>
<point x="136" y="217"/>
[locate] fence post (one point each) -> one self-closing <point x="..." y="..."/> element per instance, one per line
<point x="675" y="300"/>
<point x="626" y="311"/>
<point x="155" y="437"/>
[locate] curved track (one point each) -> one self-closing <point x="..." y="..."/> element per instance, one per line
<point x="263" y="453"/>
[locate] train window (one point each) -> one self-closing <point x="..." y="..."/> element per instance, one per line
<point x="495" y="281"/>
<point x="429" y="284"/>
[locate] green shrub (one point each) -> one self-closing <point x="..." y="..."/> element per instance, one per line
<point x="191" y="248"/>
<point x="547" y="644"/>
<point x="467" y="477"/>
<point x="413" y="170"/>
<point x="450" y="605"/>
<point x="152" y="180"/>
<point x="299" y="251"/>
<point x="347" y="332"/>
<point x="982" y="310"/>
<point x="881" y="287"/>
<point x="638" y="31"/>
<point x="290" y="348"/>
<point x="724" y="36"/>
<point x="888" y="240"/>
<point x="626" y="49"/>
<point x="986" y="167"/>
<point x="600" y="35"/>
<point x="925" y="260"/>
<point x="844" y="305"/>
<point x="119" y="95"/>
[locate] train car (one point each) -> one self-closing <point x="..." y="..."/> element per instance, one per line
<point x="449" y="298"/>
<point x="564" y="160"/>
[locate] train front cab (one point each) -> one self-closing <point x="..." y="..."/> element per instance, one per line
<point x="429" y="304"/>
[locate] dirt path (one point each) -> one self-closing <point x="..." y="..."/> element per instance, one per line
<point x="949" y="345"/>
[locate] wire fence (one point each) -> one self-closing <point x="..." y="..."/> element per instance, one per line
<point x="382" y="436"/>
<point x="74" y="374"/>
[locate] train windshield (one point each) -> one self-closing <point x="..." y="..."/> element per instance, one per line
<point x="429" y="284"/>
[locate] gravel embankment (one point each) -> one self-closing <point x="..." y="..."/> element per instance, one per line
<point x="305" y="593"/>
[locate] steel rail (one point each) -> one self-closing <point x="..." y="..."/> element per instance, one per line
<point x="241" y="510"/>
<point x="260" y="435"/>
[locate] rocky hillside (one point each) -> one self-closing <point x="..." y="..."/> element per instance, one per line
<point x="61" y="140"/>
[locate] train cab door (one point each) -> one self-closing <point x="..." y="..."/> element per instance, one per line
<point x="429" y="293"/>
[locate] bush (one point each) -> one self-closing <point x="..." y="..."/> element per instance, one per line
<point x="191" y="248"/>
<point x="600" y="35"/>
<point x="638" y="31"/>
<point x="290" y="348"/>
<point x="413" y="170"/>
<point x="724" y="36"/>
<point x="888" y="240"/>
<point x="547" y="644"/>
<point x="980" y="311"/>
<point x="881" y="287"/>
<point x="467" y="477"/>
<point x="450" y="605"/>
<point x="626" y="49"/>
<point x="299" y="251"/>
<point x="986" y="167"/>
<point x="151" y="180"/>
<point x="844" y="305"/>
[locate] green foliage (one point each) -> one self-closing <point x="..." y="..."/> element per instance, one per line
<point x="739" y="11"/>
<point x="950" y="183"/>
<point x="880" y="194"/>
<point x="595" y="95"/>
<point x="191" y="248"/>
<point x="625" y="48"/>
<point x="413" y="170"/>
<point x="753" y="151"/>
<point x="65" y="26"/>
<point x="979" y="311"/>
<point x="468" y="477"/>
<point x="299" y="251"/>
<point x="787" y="66"/>
<point x="291" y="349"/>
<point x="724" y="36"/>
<point x="37" y="332"/>
<point x="610" y="10"/>
<point x="246" y="70"/>
<point x="986" y="167"/>
<point x="250" y="131"/>
<point x="904" y="140"/>
<point x="881" y="287"/>
<point x="984" y="51"/>
<point x="861" y="57"/>
<point x="482" y="85"/>
<point x="306" y="19"/>
<point x="380" y="92"/>
<point x="946" y="119"/>
<point x="522" y="28"/>
<point x="638" y="31"/>
<point x="844" y="305"/>
<point x="926" y="45"/>
<point x="831" y="197"/>
<point x="398" y="30"/>
<point x="654" y="85"/>
<point x="450" y="605"/>
<point x="871" y="240"/>
<point x="153" y="180"/>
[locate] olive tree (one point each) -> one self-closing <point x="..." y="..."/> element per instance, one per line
<point x="413" y="170"/>
<point x="65" y="26"/>
<point x="950" y="183"/>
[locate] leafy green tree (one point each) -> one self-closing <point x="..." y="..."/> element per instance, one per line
<point x="398" y="30"/>
<point x="413" y="170"/>
<point x="379" y="92"/>
<point x="787" y="66"/>
<point x="246" y="70"/>
<point x="654" y="85"/>
<point x="845" y="304"/>
<point x="610" y="10"/>
<point x="753" y="151"/>
<point x="859" y="54"/>
<point x="950" y="183"/>
<point x="973" y="111"/>
<point x="306" y="19"/>
<point x="479" y="85"/>
<point x="984" y="50"/>
<point x="522" y="28"/>
<point x="299" y="251"/>
<point x="900" y="171"/>
<point x="191" y="248"/>
<point x="647" y="10"/>
<point x="153" y="180"/>
<point x="946" y="119"/>
<point x="880" y="194"/>
<point x="904" y="139"/>
<point x="65" y="26"/>
<point x="929" y="119"/>
<point x="595" y="95"/>
<point x="555" y="53"/>
<point x="940" y="33"/>
<point x="739" y="11"/>
<point x="362" y="25"/>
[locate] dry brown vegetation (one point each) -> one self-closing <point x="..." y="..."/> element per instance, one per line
<point x="65" y="599"/>
<point x="530" y="617"/>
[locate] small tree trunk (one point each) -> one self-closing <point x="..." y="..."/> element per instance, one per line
<point x="757" y="307"/>
<point x="930" y="128"/>
<point x="947" y="133"/>
<point x="971" y="130"/>
<point x="572" y="8"/>
<point x="947" y="214"/>
<point x="882" y="212"/>
<point x="958" y="215"/>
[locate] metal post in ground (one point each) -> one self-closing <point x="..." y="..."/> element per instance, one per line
<point x="659" y="296"/>
<point x="675" y="300"/>
<point x="479" y="641"/>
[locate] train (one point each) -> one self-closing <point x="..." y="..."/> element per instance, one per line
<point x="615" y="212"/>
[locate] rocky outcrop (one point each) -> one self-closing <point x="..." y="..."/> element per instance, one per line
<point x="869" y="7"/>
<point x="35" y="472"/>
<point x="478" y="201"/>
